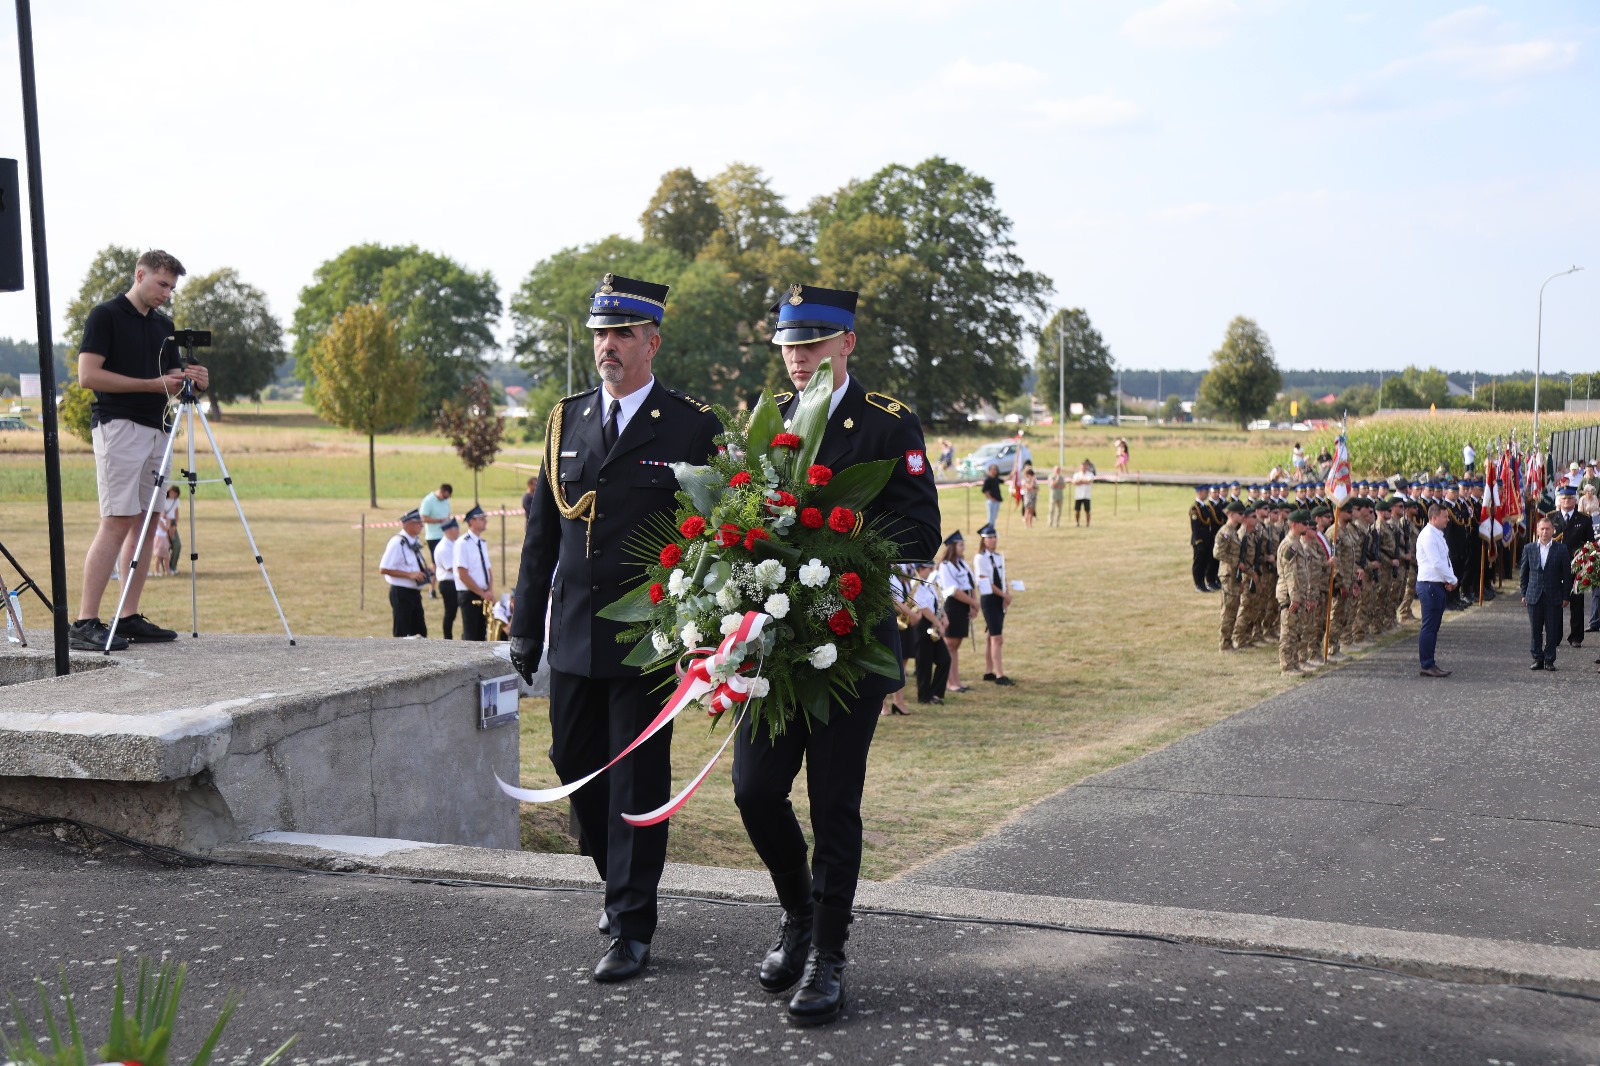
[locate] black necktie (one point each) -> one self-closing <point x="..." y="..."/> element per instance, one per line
<point x="609" y="431"/>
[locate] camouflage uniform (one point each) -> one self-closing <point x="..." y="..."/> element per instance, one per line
<point x="1291" y="590"/>
<point x="1225" y="550"/>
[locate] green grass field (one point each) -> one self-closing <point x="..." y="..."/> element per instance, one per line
<point x="1111" y="647"/>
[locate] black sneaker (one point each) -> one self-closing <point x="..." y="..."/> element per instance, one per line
<point x="140" y="630"/>
<point x="89" y="634"/>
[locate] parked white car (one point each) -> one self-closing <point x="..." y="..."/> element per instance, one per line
<point x="1001" y="453"/>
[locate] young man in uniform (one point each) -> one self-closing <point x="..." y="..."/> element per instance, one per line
<point x="816" y="324"/>
<point x="125" y="360"/>
<point x="402" y="567"/>
<point x="607" y="475"/>
<point x="474" y="576"/>
<point x="444" y="562"/>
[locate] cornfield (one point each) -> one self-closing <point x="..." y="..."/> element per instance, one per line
<point x="1409" y="444"/>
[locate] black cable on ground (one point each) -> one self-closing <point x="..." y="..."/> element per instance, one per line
<point x="169" y="856"/>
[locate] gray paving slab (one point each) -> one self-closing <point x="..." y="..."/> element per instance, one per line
<point x="1371" y="796"/>
<point x="380" y="971"/>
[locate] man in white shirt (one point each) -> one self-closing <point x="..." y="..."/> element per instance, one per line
<point x="1082" y="487"/>
<point x="474" y="576"/>
<point x="1435" y="578"/>
<point x="402" y="567"/>
<point x="444" y="559"/>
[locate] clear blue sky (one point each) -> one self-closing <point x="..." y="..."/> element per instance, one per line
<point x="1376" y="184"/>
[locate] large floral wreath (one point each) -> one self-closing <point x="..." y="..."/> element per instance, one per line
<point x="764" y="528"/>
<point x="1586" y="567"/>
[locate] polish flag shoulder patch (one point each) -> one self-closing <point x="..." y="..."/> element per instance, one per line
<point x="916" y="462"/>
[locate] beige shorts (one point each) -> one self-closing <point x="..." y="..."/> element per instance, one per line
<point x="126" y="458"/>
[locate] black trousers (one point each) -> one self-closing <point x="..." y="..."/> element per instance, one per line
<point x="474" y="626"/>
<point x="835" y="758"/>
<point x="447" y="593"/>
<point x="1544" y="618"/>
<point x="406" y="605"/>
<point x="1200" y="564"/>
<point x="591" y="719"/>
<point x="933" y="664"/>
<point x="1577" y="621"/>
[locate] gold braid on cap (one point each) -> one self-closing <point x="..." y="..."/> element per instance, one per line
<point x="584" y="508"/>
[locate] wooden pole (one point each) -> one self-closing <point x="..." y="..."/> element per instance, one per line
<point x="1333" y="572"/>
<point x="363" y="579"/>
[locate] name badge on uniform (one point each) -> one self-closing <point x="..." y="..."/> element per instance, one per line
<point x="569" y="455"/>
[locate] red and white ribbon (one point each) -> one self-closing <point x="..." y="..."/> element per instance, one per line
<point x="695" y="681"/>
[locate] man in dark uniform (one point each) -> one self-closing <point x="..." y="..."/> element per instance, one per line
<point x="1201" y="534"/>
<point x="1219" y="518"/>
<point x="1573" y="529"/>
<point x="815" y="324"/>
<point x="604" y="478"/>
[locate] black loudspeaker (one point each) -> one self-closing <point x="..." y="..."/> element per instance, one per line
<point x="10" y="227"/>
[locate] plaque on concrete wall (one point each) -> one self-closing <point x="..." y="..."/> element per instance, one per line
<point x="497" y="701"/>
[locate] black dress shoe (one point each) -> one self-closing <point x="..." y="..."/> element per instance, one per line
<point x="1434" y="671"/>
<point x="820" y="997"/>
<point x="1551" y="665"/>
<point x="787" y="958"/>
<point x="603" y="926"/>
<point x="622" y="960"/>
<point x="1538" y="664"/>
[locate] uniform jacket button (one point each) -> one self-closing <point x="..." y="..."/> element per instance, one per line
<point x="602" y="481"/>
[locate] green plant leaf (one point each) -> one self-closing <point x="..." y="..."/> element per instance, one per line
<point x="855" y="486"/>
<point x="703" y="484"/>
<point x="633" y="606"/>
<point x="766" y="422"/>
<point x="815" y="695"/>
<point x="810" y="418"/>
<point x="203" y="1056"/>
<point x="276" y="1055"/>
<point x="643" y="654"/>
<point x="877" y="658"/>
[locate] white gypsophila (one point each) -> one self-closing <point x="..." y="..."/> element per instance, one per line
<point x="826" y="607"/>
<point x="661" y="641"/>
<point x="771" y="573"/>
<point x="777" y="605"/>
<point x="728" y="596"/>
<point x="678" y="584"/>
<point x="759" y="686"/>
<point x="824" y="656"/>
<point x="814" y="575"/>
<point x="690" y="635"/>
<point x="730" y="622"/>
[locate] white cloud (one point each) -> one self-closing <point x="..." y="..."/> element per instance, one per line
<point x="1184" y="23"/>
<point x="1002" y="74"/>
<point x="1101" y="111"/>
<point x="1185" y="212"/>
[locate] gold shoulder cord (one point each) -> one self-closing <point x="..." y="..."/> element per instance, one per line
<point x="584" y="508"/>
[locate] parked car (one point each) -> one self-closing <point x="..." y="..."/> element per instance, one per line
<point x="1001" y="453"/>
<point x="1099" y="420"/>
<point x="12" y="422"/>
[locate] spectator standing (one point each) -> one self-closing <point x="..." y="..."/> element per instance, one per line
<point x="527" y="498"/>
<point x="1122" y="457"/>
<point x="444" y="562"/>
<point x="1435" y="579"/>
<point x="947" y="454"/>
<point x="402" y="567"/>
<point x="960" y="600"/>
<point x="1589" y="502"/>
<point x="992" y="492"/>
<point x="1324" y="463"/>
<point x="1030" y="496"/>
<point x="1591" y="477"/>
<point x="1082" y="489"/>
<point x="1297" y="459"/>
<point x="1469" y="459"/>
<point x="933" y="658"/>
<point x="172" y="507"/>
<point x="994" y="597"/>
<point x="1058" y="494"/>
<point x="160" y="545"/>
<point x="1545" y="578"/>
<point x="435" y="508"/>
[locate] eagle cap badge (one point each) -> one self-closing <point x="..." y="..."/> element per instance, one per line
<point x="795" y="299"/>
<point x="605" y="284"/>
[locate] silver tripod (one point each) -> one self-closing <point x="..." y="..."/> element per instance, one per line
<point x="188" y="407"/>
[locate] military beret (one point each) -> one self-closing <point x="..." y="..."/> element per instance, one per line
<point x="1235" y="507"/>
<point x="1300" y="515"/>
<point x="1382" y="505"/>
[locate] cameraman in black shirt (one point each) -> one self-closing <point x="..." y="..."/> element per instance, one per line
<point x="124" y="360"/>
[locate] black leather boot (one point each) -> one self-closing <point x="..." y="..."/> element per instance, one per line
<point x="820" y="997"/>
<point x="787" y="957"/>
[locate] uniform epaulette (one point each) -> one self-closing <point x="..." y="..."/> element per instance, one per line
<point x="885" y="403"/>
<point x="690" y="400"/>
<point x="580" y="395"/>
<point x="781" y="398"/>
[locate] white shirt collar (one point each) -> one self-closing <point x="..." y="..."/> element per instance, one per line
<point x="838" y="395"/>
<point x="630" y="403"/>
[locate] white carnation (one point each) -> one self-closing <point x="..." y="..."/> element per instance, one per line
<point x="813" y="574"/>
<point x="771" y="573"/>
<point x="728" y="597"/>
<point x="678" y="583"/>
<point x="690" y="635"/>
<point x="661" y="640"/>
<point x="777" y="605"/>
<point x="824" y="656"/>
<point x="730" y="622"/>
<point x="759" y="686"/>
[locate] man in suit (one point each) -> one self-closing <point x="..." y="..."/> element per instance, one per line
<point x="1573" y="529"/>
<point x="1546" y="577"/>
<point x="815" y="324"/>
<point x="604" y="478"/>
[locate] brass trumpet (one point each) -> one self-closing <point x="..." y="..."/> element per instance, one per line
<point x="494" y="629"/>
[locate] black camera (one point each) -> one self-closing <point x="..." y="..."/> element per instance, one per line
<point x="192" y="338"/>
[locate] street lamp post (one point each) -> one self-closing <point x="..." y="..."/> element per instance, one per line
<point x="1538" y="349"/>
<point x="1061" y="384"/>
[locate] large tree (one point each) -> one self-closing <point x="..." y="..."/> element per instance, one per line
<point x="682" y="214"/>
<point x="109" y="276"/>
<point x="441" y="311"/>
<point x="1244" y="377"/>
<point x="945" y="295"/>
<point x="758" y="241"/>
<point x="1069" y="339"/>
<point x="368" y="381"/>
<point x="246" y="340"/>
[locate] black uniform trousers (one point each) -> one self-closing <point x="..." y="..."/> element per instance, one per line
<point x="406" y="605"/>
<point x="1577" y="620"/>
<point x="447" y="593"/>
<point x="1200" y="564"/>
<point x="1544" y="620"/>
<point x="474" y="626"/>
<point x="835" y="758"/>
<point x="933" y="663"/>
<point x="591" y="719"/>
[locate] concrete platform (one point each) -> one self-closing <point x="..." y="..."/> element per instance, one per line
<point x="201" y="741"/>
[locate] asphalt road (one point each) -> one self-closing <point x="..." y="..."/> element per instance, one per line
<point x="379" y="971"/>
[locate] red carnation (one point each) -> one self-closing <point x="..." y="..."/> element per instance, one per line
<point x="728" y="535"/>
<point x="841" y="622"/>
<point x="657" y="593"/>
<point x="811" y="518"/>
<point x="752" y="536"/>
<point x="692" y="526"/>
<point x="850" y="585"/>
<point x="671" y="555"/>
<point x="786" y="440"/>
<point x="782" y="499"/>
<point x="741" y="478"/>
<point x="841" y="520"/>
<point x="819" y="475"/>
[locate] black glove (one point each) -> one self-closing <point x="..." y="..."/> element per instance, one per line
<point x="525" y="654"/>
